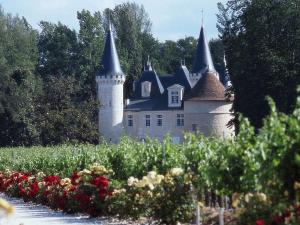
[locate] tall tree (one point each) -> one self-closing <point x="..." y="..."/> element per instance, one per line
<point x="58" y="50"/>
<point x="19" y="86"/>
<point x="261" y="39"/>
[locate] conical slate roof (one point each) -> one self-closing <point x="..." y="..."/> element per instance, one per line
<point x="182" y="78"/>
<point x="208" y="88"/>
<point x="203" y="61"/>
<point x="110" y="64"/>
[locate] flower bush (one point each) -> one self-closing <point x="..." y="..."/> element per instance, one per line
<point x="167" y="199"/>
<point x="85" y="191"/>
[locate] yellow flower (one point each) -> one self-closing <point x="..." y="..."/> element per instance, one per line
<point x="176" y="172"/>
<point x="261" y="197"/>
<point x="6" y="206"/>
<point x="98" y="169"/>
<point x="248" y="196"/>
<point x="65" y="181"/>
<point x="235" y="200"/>
<point x="84" y="172"/>
<point x="200" y="204"/>
<point x="297" y="185"/>
<point x="40" y="175"/>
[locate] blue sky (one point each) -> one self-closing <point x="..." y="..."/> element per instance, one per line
<point x="172" y="19"/>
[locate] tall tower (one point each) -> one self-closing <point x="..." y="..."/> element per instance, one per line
<point x="110" y="80"/>
<point x="203" y="62"/>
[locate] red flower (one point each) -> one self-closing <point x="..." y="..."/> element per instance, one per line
<point x="50" y="180"/>
<point x="100" y="182"/>
<point x="74" y="177"/>
<point x="279" y="219"/>
<point x="102" y="193"/>
<point x="34" y="189"/>
<point x="260" y="222"/>
<point x="22" y="191"/>
<point x="82" y="198"/>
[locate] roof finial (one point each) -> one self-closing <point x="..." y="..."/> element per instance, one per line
<point x="202" y="17"/>
<point x="109" y="23"/>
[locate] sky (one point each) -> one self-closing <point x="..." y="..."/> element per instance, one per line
<point x="171" y="19"/>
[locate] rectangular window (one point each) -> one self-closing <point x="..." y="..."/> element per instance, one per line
<point x="175" y="97"/>
<point x="159" y="120"/>
<point x="130" y="120"/>
<point x="147" y="120"/>
<point x="180" y="120"/>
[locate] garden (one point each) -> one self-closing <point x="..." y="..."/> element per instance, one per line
<point x="255" y="176"/>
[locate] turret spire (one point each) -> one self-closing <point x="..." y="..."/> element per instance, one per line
<point x="110" y="64"/>
<point x="148" y="66"/>
<point x="203" y="62"/>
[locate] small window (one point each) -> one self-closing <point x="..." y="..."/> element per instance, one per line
<point x="159" y="120"/>
<point x="180" y="120"/>
<point x="130" y="121"/>
<point x="147" y="120"/>
<point x="175" y="97"/>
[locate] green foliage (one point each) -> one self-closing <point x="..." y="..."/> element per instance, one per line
<point x="261" y="40"/>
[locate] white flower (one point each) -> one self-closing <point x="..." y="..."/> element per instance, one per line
<point x="131" y="181"/>
<point x="176" y="171"/>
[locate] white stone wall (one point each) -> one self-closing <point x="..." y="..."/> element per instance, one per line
<point x="208" y="118"/>
<point x="110" y="96"/>
<point x="139" y="130"/>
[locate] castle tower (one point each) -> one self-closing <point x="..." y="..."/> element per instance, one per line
<point x="206" y="109"/>
<point x="203" y="62"/>
<point x="110" y="80"/>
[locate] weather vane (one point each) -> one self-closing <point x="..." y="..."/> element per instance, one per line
<point x="202" y="16"/>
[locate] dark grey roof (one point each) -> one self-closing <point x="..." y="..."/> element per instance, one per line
<point x="110" y="64"/>
<point x="157" y="88"/>
<point x="150" y="104"/>
<point x="182" y="78"/>
<point x="159" y="95"/>
<point x="203" y="61"/>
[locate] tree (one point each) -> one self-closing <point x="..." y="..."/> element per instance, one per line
<point x="19" y="86"/>
<point x="58" y="50"/>
<point x="261" y="39"/>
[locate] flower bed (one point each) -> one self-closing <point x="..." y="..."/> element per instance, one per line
<point x="165" y="199"/>
<point x="85" y="191"/>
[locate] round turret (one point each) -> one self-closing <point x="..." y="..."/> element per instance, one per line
<point x="110" y="80"/>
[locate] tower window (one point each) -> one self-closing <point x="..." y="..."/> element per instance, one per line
<point x="159" y="120"/>
<point x="130" y="121"/>
<point x="180" y="120"/>
<point x="147" y="120"/>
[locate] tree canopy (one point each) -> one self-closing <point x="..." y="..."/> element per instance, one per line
<point x="261" y="40"/>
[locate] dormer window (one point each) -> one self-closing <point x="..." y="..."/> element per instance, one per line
<point x="146" y="89"/>
<point x="175" y="95"/>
